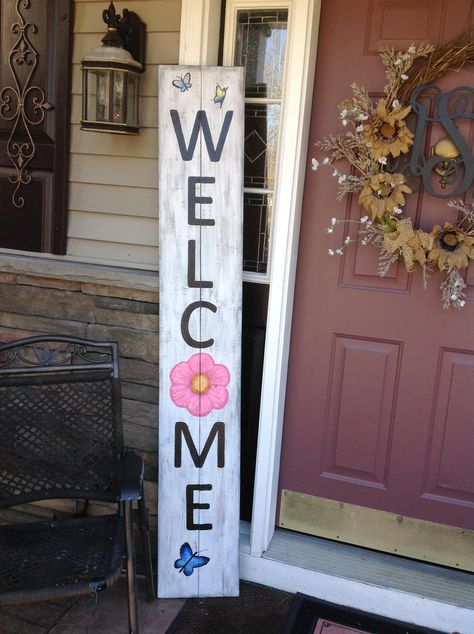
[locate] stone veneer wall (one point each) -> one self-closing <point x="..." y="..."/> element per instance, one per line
<point x="98" y="303"/>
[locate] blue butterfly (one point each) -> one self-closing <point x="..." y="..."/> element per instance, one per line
<point x="188" y="560"/>
<point x="183" y="82"/>
<point x="220" y="95"/>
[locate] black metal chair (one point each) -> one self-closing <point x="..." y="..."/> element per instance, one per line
<point x="61" y="437"/>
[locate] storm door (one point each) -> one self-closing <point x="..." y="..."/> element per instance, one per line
<point x="256" y="38"/>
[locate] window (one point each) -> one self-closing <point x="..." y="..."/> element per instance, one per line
<point x="34" y="124"/>
<point x="260" y="45"/>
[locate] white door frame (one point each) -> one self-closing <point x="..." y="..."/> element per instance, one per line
<point x="198" y="46"/>
<point x="199" y="32"/>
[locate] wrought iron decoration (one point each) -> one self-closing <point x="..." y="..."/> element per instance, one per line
<point x="57" y="355"/>
<point x="15" y="99"/>
<point x="455" y="166"/>
<point x="125" y="31"/>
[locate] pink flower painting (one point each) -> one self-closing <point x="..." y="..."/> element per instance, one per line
<point x="199" y="384"/>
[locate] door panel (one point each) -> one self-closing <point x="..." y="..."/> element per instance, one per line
<point x="381" y="380"/>
<point x="450" y="450"/>
<point x="360" y="454"/>
<point x="398" y="23"/>
<point x="360" y="265"/>
<point x="35" y="96"/>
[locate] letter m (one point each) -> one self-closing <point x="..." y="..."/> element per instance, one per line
<point x="182" y="430"/>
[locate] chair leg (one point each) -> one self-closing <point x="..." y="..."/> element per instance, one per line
<point x="145" y="534"/>
<point x="131" y="578"/>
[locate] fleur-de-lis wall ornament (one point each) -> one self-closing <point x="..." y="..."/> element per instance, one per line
<point x="22" y="103"/>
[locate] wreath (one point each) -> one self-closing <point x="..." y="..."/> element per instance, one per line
<point x="376" y="136"/>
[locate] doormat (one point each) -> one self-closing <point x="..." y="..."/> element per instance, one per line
<point x="258" y="610"/>
<point x="312" y="616"/>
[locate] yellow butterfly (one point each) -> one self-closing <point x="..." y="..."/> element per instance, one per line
<point x="220" y="95"/>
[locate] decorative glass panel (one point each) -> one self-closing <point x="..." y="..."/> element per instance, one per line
<point x="99" y="96"/>
<point x="260" y="47"/>
<point x="118" y="96"/>
<point x="257" y="223"/>
<point x="261" y="141"/>
<point x="132" y="89"/>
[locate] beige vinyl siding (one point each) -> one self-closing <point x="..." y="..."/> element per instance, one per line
<point x="113" y="196"/>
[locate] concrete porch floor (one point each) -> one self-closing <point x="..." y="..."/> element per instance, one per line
<point x="106" y="614"/>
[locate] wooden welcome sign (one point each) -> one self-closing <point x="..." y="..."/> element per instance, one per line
<point x="201" y="123"/>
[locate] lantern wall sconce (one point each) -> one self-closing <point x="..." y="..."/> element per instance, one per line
<point x="111" y="75"/>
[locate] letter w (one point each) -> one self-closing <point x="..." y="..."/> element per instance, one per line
<point x="201" y="121"/>
<point x="181" y="429"/>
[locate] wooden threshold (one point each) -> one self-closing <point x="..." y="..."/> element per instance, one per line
<point x="424" y="594"/>
<point x="378" y="530"/>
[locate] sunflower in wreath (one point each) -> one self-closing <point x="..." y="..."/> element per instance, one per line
<point x="453" y="248"/>
<point x="376" y="137"/>
<point x="383" y="194"/>
<point x="387" y="133"/>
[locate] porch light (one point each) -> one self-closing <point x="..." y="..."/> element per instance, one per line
<point x="111" y="75"/>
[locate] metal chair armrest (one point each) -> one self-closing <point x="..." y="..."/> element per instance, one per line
<point x="132" y="477"/>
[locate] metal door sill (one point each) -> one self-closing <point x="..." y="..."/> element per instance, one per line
<point x="395" y="587"/>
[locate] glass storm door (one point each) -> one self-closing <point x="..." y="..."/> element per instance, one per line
<point x="256" y="37"/>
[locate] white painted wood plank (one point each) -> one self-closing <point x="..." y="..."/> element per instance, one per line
<point x="112" y="228"/>
<point x="215" y="229"/>
<point x="144" y="145"/>
<point x="222" y="253"/>
<point x="200" y="28"/>
<point x="113" y="200"/>
<point x="174" y="297"/>
<point x="113" y="170"/>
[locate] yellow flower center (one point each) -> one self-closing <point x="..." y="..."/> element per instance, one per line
<point x="384" y="190"/>
<point x="449" y="241"/>
<point x="388" y="131"/>
<point x="200" y="384"/>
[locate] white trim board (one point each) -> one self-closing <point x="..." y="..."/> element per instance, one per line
<point x="392" y="587"/>
<point x="303" y="24"/>
<point x="199" y="33"/>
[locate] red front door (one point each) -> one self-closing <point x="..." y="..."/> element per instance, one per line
<point x="380" y="397"/>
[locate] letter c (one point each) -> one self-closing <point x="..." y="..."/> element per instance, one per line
<point x="194" y="343"/>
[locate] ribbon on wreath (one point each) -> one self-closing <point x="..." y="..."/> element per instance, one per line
<point x="413" y="244"/>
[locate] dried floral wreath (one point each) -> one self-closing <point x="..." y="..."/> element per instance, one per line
<point x="375" y="134"/>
